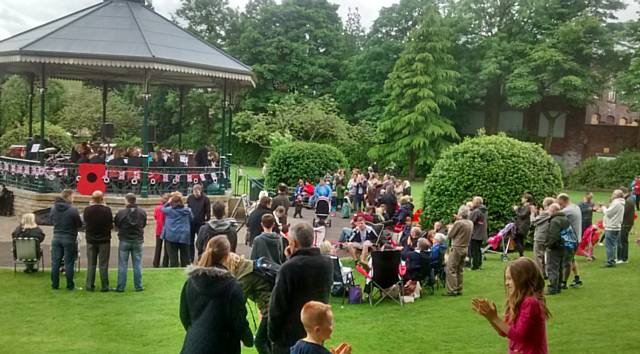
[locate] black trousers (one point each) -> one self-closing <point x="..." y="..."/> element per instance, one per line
<point x="175" y="249"/>
<point x="476" y="254"/>
<point x="519" y="240"/>
<point x="262" y="342"/>
<point x="98" y="254"/>
<point x="278" y="349"/>
<point x="158" y="253"/>
<point x="192" y="246"/>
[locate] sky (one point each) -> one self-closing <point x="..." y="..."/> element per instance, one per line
<point x="19" y="15"/>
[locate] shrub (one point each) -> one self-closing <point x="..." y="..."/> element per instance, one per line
<point x="498" y="168"/>
<point x="57" y="135"/>
<point x="593" y="173"/>
<point x="292" y="161"/>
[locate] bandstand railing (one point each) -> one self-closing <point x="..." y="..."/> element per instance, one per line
<point x="53" y="177"/>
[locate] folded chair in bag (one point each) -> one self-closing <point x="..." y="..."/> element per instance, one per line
<point x="342" y="279"/>
<point x="386" y="265"/>
<point x="26" y="250"/>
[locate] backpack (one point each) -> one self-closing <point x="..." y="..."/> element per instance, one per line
<point x="569" y="238"/>
<point x="267" y="270"/>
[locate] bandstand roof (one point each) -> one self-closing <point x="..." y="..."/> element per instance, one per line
<point x="118" y="40"/>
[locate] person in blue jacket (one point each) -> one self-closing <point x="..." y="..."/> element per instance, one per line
<point x="177" y="230"/>
<point x="322" y="190"/>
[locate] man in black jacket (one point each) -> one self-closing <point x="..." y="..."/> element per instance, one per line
<point x="66" y="223"/>
<point x="201" y="209"/>
<point x="99" y="222"/>
<point x="306" y="276"/>
<point x="219" y="225"/>
<point x="254" y="222"/>
<point x="130" y="223"/>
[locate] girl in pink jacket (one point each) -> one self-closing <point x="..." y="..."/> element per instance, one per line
<point x="526" y="311"/>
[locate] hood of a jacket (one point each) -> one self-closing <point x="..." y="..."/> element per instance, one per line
<point x="221" y="225"/>
<point x="542" y="218"/>
<point x="271" y="236"/>
<point x="209" y="280"/>
<point x="61" y="204"/>
<point x="244" y="267"/>
<point x="482" y="208"/>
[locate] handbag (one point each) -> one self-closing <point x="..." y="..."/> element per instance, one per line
<point x="355" y="295"/>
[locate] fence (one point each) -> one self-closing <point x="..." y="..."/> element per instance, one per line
<point x="53" y="177"/>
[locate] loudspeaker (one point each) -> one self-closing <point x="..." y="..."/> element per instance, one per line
<point x="108" y="131"/>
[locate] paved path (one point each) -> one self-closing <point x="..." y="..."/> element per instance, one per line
<point x="8" y="224"/>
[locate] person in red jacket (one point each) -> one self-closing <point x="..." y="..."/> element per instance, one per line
<point x="159" y="217"/>
<point x="526" y="313"/>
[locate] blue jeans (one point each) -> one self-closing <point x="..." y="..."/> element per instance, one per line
<point x="124" y="249"/>
<point x="345" y="234"/>
<point x="67" y="250"/>
<point x="610" y="243"/>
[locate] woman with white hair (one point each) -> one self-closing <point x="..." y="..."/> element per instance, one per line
<point x="28" y="229"/>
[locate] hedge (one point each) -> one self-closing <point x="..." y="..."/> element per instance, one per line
<point x="292" y="161"/>
<point x="594" y="173"/>
<point x="498" y="168"/>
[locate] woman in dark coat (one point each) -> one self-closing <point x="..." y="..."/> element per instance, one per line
<point x="212" y="305"/>
<point x="523" y="222"/>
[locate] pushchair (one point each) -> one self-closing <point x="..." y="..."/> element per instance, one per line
<point x="502" y="240"/>
<point x="323" y="208"/>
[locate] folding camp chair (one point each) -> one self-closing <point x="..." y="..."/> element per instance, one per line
<point x="385" y="276"/>
<point x="26" y="250"/>
<point x="342" y="278"/>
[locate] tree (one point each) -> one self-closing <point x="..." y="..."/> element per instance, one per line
<point x="354" y="32"/>
<point x="360" y="92"/>
<point x="570" y="64"/>
<point x="213" y="20"/>
<point x="82" y="113"/>
<point x="296" y="46"/>
<point x="420" y="86"/>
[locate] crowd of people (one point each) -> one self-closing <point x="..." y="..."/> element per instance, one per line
<point x="289" y="277"/>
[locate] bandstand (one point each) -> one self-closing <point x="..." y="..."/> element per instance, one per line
<point x="113" y="42"/>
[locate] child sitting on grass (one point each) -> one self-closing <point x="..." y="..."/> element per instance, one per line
<point x="526" y="313"/>
<point x="317" y="319"/>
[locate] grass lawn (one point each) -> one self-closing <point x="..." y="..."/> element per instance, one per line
<point x="35" y="319"/>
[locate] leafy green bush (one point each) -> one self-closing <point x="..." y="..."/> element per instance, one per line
<point x="57" y="135"/>
<point x="605" y="174"/>
<point x="498" y="168"/>
<point x="290" y="162"/>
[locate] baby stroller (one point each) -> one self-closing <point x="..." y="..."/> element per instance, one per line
<point x="323" y="208"/>
<point x="502" y="240"/>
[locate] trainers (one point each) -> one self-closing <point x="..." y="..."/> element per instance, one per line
<point x="619" y="261"/>
<point x="600" y="244"/>
<point x="576" y="284"/>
